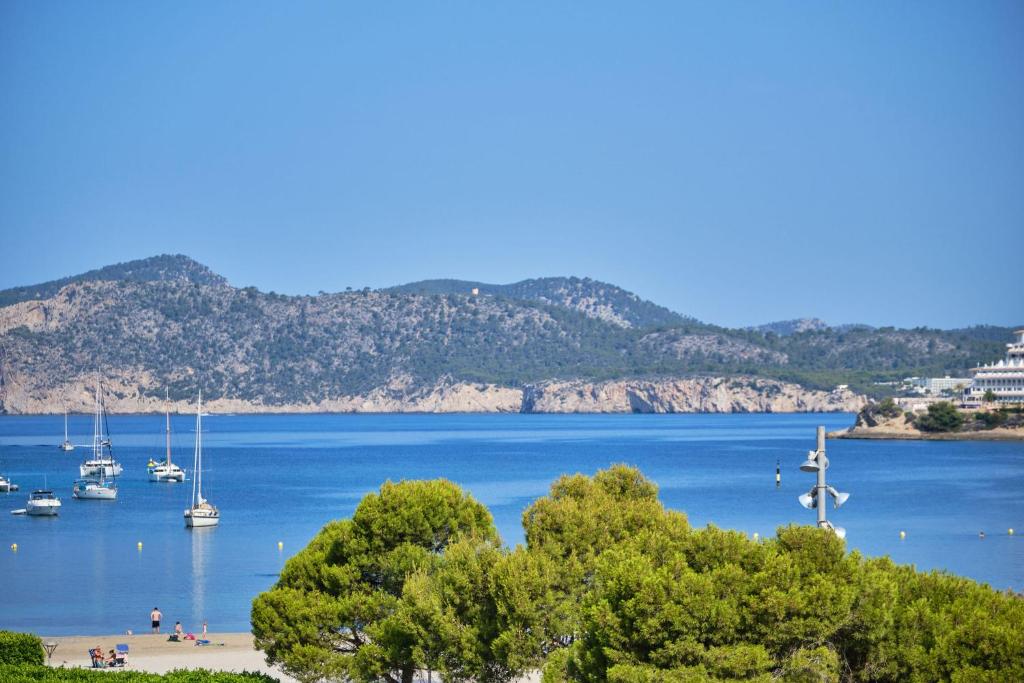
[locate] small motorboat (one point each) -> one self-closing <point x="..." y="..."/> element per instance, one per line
<point x="6" y="485"/>
<point x="42" y="503"/>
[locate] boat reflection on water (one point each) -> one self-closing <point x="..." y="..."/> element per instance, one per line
<point x="202" y="543"/>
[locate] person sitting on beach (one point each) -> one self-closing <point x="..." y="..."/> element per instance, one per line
<point x="96" y="654"/>
<point x="178" y="630"/>
<point x="111" y="658"/>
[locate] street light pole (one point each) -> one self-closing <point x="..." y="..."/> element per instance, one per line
<point x="822" y="464"/>
<point x="817" y="462"/>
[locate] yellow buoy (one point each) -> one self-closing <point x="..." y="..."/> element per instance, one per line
<point x="280" y="545"/>
<point x="903" y="534"/>
<point x="14" y="547"/>
<point x="139" y="545"/>
<point x="1011" y="532"/>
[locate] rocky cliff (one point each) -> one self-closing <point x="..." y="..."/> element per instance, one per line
<point x="691" y="395"/>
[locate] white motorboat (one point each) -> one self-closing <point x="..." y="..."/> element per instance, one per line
<point x="67" y="445"/>
<point x="202" y="512"/>
<point x="102" y="463"/>
<point x="166" y="471"/>
<point x="94" y="489"/>
<point x="42" y="503"/>
<point x="6" y="485"/>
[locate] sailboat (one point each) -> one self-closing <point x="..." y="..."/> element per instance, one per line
<point x="66" y="446"/>
<point x="101" y="463"/>
<point x="166" y="470"/>
<point x="202" y="512"/>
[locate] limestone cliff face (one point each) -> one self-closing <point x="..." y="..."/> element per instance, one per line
<point x="692" y="395"/>
<point x="125" y="393"/>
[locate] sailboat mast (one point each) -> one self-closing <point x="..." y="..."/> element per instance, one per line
<point x="196" y="458"/>
<point x="65" y="424"/>
<point x="199" y="446"/>
<point x="97" y="426"/>
<point x="167" y="409"/>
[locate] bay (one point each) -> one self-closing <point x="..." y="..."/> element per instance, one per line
<point x="280" y="478"/>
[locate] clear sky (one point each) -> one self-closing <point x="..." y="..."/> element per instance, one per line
<point x="737" y="161"/>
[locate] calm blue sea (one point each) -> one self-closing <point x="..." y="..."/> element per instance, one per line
<point x="281" y="477"/>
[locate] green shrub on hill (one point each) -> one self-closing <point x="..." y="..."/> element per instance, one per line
<point x="20" y="648"/>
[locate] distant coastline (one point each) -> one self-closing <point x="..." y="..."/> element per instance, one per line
<point x="680" y="395"/>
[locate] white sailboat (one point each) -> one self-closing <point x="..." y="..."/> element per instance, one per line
<point x="202" y="513"/>
<point x="66" y="446"/>
<point x="42" y="503"/>
<point x="101" y="463"/>
<point x="166" y="471"/>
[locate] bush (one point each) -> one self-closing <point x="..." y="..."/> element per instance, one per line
<point x="45" y="674"/>
<point x="887" y="408"/>
<point x="20" y="648"/>
<point x="991" y="420"/>
<point x="941" y="417"/>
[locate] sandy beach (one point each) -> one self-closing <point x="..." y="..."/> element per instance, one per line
<point x="155" y="654"/>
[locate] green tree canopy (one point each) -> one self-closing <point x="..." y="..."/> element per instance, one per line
<point x="341" y="609"/>
<point x="941" y="417"/>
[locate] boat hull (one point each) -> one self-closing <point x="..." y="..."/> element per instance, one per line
<point x="93" y="468"/>
<point x="94" y="493"/>
<point x="164" y="474"/>
<point x="42" y="510"/>
<point x="200" y="518"/>
<point x="67" y="446"/>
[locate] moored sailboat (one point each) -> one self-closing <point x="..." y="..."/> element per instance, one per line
<point x="66" y="446"/>
<point x="202" y="513"/>
<point x="102" y="463"/>
<point x="166" y="471"/>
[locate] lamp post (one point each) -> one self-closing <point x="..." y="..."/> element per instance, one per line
<point x="49" y="646"/>
<point x="817" y="462"/>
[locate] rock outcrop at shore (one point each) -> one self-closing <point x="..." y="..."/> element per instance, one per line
<point x="898" y="428"/>
<point x="127" y="393"/>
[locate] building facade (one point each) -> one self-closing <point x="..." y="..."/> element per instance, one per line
<point x="1005" y="379"/>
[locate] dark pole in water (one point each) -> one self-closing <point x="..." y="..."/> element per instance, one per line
<point x="778" y="474"/>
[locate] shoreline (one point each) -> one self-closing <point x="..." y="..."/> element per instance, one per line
<point x="153" y="653"/>
<point x="887" y="435"/>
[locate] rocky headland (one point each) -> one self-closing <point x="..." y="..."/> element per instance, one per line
<point x="900" y="427"/>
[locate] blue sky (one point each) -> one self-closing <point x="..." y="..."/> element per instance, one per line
<point x="737" y="161"/>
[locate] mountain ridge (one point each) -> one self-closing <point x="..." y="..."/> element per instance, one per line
<point x="171" y="323"/>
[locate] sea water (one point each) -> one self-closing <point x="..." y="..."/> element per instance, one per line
<point x="280" y="478"/>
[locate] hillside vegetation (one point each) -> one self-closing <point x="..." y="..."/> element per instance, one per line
<point x="166" y="321"/>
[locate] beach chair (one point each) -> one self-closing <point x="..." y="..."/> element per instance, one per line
<point x="121" y="654"/>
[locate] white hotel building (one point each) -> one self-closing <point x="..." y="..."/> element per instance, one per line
<point x="1005" y="379"/>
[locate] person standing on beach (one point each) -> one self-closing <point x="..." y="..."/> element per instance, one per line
<point x="154" y="617"/>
